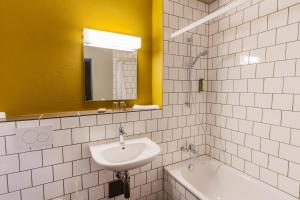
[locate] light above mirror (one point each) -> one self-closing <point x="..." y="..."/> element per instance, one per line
<point x="108" y="40"/>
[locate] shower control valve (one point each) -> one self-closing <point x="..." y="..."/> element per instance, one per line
<point x="189" y="148"/>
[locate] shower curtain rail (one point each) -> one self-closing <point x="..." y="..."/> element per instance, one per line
<point x="213" y="15"/>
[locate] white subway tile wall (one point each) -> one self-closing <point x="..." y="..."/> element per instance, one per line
<point x="66" y="170"/>
<point x="260" y="117"/>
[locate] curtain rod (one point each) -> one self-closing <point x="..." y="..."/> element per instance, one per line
<point x="213" y="15"/>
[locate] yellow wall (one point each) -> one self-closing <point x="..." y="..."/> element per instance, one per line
<point x="41" y="51"/>
<point x="157" y="52"/>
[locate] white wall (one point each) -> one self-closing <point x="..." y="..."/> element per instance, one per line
<point x="253" y="99"/>
<point x="52" y="173"/>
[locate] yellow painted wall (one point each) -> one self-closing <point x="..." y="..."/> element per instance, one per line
<point x="41" y="51"/>
<point x="157" y="52"/>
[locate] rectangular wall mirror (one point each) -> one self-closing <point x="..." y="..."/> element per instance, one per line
<point x="110" y="65"/>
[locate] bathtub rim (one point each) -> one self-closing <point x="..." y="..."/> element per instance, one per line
<point x="175" y="168"/>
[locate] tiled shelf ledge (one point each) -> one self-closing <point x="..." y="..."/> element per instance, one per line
<point x="67" y="114"/>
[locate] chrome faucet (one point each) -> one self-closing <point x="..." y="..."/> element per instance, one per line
<point x="192" y="149"/>
<point x="122" y="133"/>
<point x="189" y="148"/>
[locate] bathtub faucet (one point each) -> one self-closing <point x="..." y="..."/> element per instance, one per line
<point x="189" y="148"/>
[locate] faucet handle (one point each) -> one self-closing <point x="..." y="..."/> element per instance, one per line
<point x="121" y="131"/>
<point x="184" y="148"/>
<point x="191" y="147"/>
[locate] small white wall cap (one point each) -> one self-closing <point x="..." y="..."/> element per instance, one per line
<point x="2" y="115"/>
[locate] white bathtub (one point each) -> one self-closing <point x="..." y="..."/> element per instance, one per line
<point x="209" y="179"/>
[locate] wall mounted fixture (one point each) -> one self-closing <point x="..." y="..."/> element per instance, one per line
<point x="108" y="40"/>
<point x="213" y="15"/>
<point x="201" y="85"/>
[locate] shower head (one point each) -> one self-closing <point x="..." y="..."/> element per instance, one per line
<point x="203" y="53"/>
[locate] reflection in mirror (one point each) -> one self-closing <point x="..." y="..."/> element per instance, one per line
<point x="110" y="69"/>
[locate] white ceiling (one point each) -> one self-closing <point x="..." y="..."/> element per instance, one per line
<point x="207" y="1"/>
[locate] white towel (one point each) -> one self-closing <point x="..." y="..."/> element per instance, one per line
<point x="145" y="107"/>
<point x="2" y="115"/>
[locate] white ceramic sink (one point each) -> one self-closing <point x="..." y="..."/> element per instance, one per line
<point x="133" y="154"/>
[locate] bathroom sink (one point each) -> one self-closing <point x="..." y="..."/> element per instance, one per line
<point x="132" y="154"/>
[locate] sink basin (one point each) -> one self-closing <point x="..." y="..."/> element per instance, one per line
<point x="133" y="154"/>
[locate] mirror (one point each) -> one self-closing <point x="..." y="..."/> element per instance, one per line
<point x="110" y="66"/>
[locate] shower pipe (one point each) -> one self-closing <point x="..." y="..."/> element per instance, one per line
<point x="191" y="101"/>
